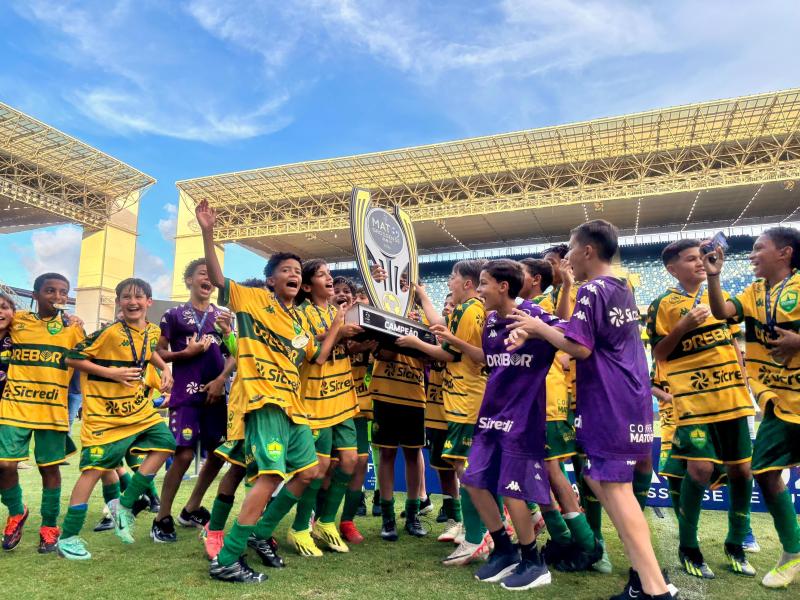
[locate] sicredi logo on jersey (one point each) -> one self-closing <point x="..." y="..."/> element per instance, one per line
<point x="508" y="360"/>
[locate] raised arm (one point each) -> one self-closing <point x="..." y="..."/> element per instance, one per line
<point x="720" y="307"/>
<point x="564" y="308"/>
<point x="206" y="218"/>
<point x="433" y="316"/>
<point x="434" y="351"/>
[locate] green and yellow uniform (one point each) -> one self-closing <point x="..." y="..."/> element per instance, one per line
<point x="232" y="449"/>
<point x="569" y="375"/>
<point x="274" y="341"/>
<point x="362" y="373"/>
<point x="34" y="403"/>
<point x="398" y="399"/>
<point x="435" y="420"/>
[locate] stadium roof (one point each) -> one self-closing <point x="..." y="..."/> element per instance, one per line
<point x="726" y="162"/>
<point x="47" y="176"/>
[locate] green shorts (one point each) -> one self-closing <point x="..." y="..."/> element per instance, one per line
<point x="669" y="466"/>
<point x="560" y="440"/>
<point x="107" y="457"/>
<point x="434" y="440"/>
<point x="49" y="447"/>
<point x="341" y="436"/>
<point x="362" y="435"/>
<point x="232" y="451"/>
<point x="274" y="445"/>
<point x="458" y="441"/>
<point x="398" y="425"/>
<point x="724" y="442"/>
<point x="777" y="444"/>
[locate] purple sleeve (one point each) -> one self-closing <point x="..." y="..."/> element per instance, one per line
<point x="581" y="326"/>
<point x="166" y="325"/>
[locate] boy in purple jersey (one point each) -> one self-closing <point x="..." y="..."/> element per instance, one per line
<point x="508" y="448"/>
<point x="614" y="422"/>
<point x="197" y="412"/>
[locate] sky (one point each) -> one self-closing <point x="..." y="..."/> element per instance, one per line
<point x="182" y="89"/>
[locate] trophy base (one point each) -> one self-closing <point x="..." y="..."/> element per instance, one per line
<point x="385" y="328"/>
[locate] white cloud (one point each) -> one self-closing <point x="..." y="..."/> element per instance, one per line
<point x="154" y="270"/>
<point x="166" y="227"/>
<point x="55" y="250"/>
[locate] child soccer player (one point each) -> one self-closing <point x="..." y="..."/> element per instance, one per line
<point x="463" y="386"/>
<point x="34" y="405"/>
<point x="614" y="422"/>
<point x="508" y="450"/>
<point x="770" y="310"/>
<point x="711" y="404"/>
<point x="118" y="418"/>
<point x="7" y="308"/>
<point x="274" y="341"/>
<point x="197" y="414"/>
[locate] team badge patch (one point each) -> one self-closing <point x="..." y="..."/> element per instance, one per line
<point x="96" y="453"/>
<point x="187" y="433"/>
<point x="788" y="300"/>
<point x="54" y="327"/>
<point x="698" y="438"/>
<point x="274" y="450"/>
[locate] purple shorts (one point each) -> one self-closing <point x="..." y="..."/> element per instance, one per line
<point x="609" y="469"/>
<point x="491" y="468"/>
<point x="206" y="423"/>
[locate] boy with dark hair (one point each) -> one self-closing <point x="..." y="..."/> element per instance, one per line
<point x="612" y="381"/>
<point x="538" y="274"/>
<point x="711" y="404"/>
<point x="118" y="418"/>
<point x="770" y="310"/>
<point x="34" y="406"/>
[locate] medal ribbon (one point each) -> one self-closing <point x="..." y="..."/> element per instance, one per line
<point x="199" y="323"/>
<point x="772" y="315"/>
<point x="138" y="360"/>
<point x="697" y="298"/>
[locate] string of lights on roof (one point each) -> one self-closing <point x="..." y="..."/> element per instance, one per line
<point x="441" y="225"/>
<point x="691" y="210"/>
<point x="744" y="210"/>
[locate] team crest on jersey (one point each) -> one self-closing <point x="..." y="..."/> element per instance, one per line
<point x="788" y="300"/>
<point x="187" y="433"/>
<point x="54" y="327"/>
<point x="698" y="438"/>
<point x="153" y="345"/>
<point x="96" y="452"/>
<point x="274" y="450"/>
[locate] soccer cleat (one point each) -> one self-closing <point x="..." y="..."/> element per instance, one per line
<point x="48" y="538"/>
<point x="414" y="527"/>
<point x="737" y="561"/>
<point x="784" y="573"/>
<point x="497" y="567"/>
<point x="442" y="516"/>
<point x="554" y="552"/>
<point x="212" y="541"/>
<point x="154" y="500"/>
<point x="451" y="531"/>
<point x="196" y="518"/>
<point x="140" y="505"/>
<point x="123" y="521"/>
<point x="376" y="504"/>
<point x="389" y="531"/>
<point x="693" y="563"/>
<point x="72" y="548"/>
<point x="264" y="550"/>
<point x="350" y="532"/>
<point x="580" y="560"/>
<point x="12" y="534"/>
<point x="104" y="524"/>
<point x="528" y="574"/>
<point x="462" y="535"/>
<point x="238" y="572"/>
<point x="603" y="565"/>
<point x="163" y="531"/>
<point x="303" y="543"/>
<point x="361" y="511"/>
<point x="329" y="535"/>
<point x="467" y="552"/>
<point x="750" y="544"/>
<point x="425" y="506"/>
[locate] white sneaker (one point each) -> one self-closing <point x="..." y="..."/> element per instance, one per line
<point x="467" y="552"/>
<point x="459" y="539"/>
<point x="452" y="530"/>
<point x="784" y="573"/>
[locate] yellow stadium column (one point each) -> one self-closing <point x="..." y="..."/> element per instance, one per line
<point x="107" y="257"/>
<point x="188" y="246"/>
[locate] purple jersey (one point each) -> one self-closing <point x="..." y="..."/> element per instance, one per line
<point x="178" y="325"/>
<point x="614" y="406"/>
<point x="513" y="409"/>
<point x="5" y="358"/>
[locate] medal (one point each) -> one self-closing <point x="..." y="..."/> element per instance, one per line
<point x="300" y="341"/>
<point x="772" y="315"/>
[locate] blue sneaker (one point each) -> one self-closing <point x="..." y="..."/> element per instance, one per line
<point x="750" y="544"/>
<point x="497" y="567"/>
<point x="527" y="575"/>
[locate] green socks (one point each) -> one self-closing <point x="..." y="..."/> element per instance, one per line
<point x="689" y="514"/>
<point x="124" y="481"/>
<point x="412" y="507"/>
<point x="458" y="513"/>
<point x="139" y="485"/>
<point x="352" y="500"/>
<point x="675" y="494"/>
<point x="73" y="522"/>
<point x="387" y="509"/>
<point x="12" y="499"/>
<point x="51" y="506"/>
<point x="111" y="492"/>
<point x="306" y="506"/>
<point x="333" y="499"/>
<point x="592" y="509"/>
<point x="220" y="510"/>
<point x="277" y="509"/>
<point x="473" y="526"/>
<point x="235" y="544"/>
<point x="785" y="520"/>
<point x="557" y="527"/>
<point x="740" y="493"/>
<point x="641" y="487"/>
<point x="580" y="530"/>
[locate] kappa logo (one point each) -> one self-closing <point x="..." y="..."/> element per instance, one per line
<point x="699" y="381"/>
<point x="591" y="287"/>
<point x="580" y="315"/>
<point x="585" y="301"/>
<point x="537" y="477"/>
<point x="493" y="333"/>
<point x="513" y="486"/>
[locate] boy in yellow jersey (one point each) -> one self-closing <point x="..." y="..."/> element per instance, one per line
<point x="274" y="341"/>
<point x="770" y="310"/>
<point x="463" y="386"/>
<point x="118" y="418"/>
<point x="331" y="401"/>
<point x="711" y="404"/>
<point x="34" y="405"/>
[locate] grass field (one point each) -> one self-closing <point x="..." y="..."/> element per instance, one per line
<point x="409" y="568"/>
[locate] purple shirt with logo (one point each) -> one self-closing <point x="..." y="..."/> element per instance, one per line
<point x="5" y="358"/>
<point x="178" y="325"/>
<point x="614" y="407"/>
<point x="514" y="406"/>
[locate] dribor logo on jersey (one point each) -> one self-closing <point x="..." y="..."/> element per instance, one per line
<point x="508" y="360"/>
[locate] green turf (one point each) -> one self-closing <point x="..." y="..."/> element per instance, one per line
<point x="409" y="568"/>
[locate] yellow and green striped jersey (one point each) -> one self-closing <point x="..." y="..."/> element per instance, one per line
<point x="362" y="371"/>
<point x="111" y="410"/>
<point x="703" y="371"/>
<point x="328" y="390"/>
<point x="35" y="395"/>
<point x="237" y="403"/>
<point x="400" y="380"/>
<point x="434" y="406"/>
<point x="556" y="381"/>
<point x="464" y="379"/>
